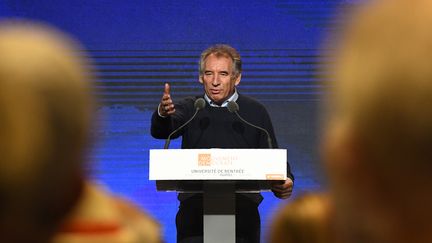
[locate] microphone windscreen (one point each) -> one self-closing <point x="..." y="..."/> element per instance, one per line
<point x="199" y="103"/>
<point x="233" y="106"/>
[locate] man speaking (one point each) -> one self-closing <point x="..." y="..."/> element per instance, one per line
<point x="217" y="126"/>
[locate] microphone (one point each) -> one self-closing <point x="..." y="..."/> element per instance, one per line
<point x="198" y="105"/>
<point x="233" y="107"/>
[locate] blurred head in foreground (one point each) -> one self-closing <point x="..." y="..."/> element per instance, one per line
<point x="46" y="111"/>
<point x="306" y="219"/>
<point x="378" y="137"/>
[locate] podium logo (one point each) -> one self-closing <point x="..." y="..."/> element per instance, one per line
<point x="274" y="176"/>
<point x="204" y="159"/>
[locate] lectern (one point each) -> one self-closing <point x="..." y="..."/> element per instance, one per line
<point x="219" y="174"/>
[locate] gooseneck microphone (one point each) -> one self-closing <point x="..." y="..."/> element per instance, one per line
<point x="233" y="107"/>
<point x="198" y="105"/>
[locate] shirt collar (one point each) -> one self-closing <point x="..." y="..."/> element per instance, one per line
<point x="233" y="97"/>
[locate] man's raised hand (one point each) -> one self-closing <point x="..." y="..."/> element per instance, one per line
<point x="166" y="107"/>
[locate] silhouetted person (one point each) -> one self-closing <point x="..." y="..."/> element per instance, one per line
<point x="305" y="219"/>
<point x="46" y="114"/>
<point x="378" y="141"/>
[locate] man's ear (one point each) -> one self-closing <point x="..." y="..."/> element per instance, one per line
<point x="200" y="79"/>
<point x="237" y="81"/>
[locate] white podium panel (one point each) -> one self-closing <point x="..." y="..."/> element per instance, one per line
<point x="218" y="164"/>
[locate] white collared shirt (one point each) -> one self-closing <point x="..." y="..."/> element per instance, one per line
<point x="233" y="97"/>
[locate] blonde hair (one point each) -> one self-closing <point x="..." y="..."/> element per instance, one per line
<point x="304" y="220"/>
<point x="381" y="81"/>
<point x="380" y="124"/>
<point x="46" y="107"/>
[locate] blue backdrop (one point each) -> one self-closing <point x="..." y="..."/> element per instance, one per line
<point x="138" y="45"/>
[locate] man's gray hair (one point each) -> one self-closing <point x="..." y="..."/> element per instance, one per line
<point x="225" y="51"/>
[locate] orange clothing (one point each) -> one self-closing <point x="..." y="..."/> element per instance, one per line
<point x="101" y="217"/>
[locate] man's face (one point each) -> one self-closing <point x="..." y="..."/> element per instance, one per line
<point x="217" y="78"/>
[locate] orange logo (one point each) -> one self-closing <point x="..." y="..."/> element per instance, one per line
<point x="274" y="176"/>
<point x="204" y="159"/>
